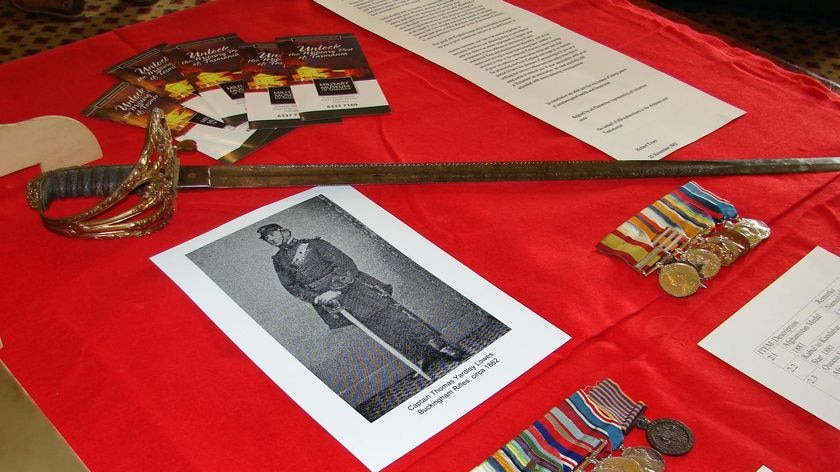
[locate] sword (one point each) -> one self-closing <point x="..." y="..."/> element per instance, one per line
<point x="385" y="345"/>
<point x="157" y="176"/>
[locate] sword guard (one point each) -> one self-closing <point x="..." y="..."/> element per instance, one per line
<point x="152" y="179"/>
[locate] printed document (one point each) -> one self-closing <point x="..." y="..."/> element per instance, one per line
<point x="788" y="337"/>
<point x="409" y="340"/>
<point x="608" y="100"/>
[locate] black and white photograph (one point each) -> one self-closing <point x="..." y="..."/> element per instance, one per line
<point x="369" y="322"/>
<point x="357" y="317"/>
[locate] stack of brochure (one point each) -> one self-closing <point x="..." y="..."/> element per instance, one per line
<point x="231" y="97"/>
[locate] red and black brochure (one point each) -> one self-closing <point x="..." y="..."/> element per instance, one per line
<point x="128" y="104"/>
<point x="330" y="77"/>
<point x="155" y="72"/>
<point x="214" y="67"/>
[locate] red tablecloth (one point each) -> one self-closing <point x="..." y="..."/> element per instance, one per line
<point x="136" y="377"/>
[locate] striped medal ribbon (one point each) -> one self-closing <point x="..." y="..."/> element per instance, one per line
<point x="609" y="396"/>
<point x="742" y="231"/>
<point x="665" y="435"/>
<point x="715" y="206"/>
<point x="666" y="225"/>
<point x="565" y="439"/>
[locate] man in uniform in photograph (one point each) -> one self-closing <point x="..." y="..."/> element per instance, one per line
<point x="316" y="272"/>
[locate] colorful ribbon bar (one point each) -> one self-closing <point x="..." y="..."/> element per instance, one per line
<point x="665" y="225"/>
<point x="609" y="396"/>
<point x="568" y="434"/>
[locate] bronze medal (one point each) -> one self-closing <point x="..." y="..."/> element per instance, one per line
<point x="668" y="436"/>
<point x="706" y="262"/>
<point x="738" y="238"/>
<point x="757" y="226"/>
<point x="679" y="279"/>
<point x="618" y="464"/>
<point x="752" y="236"/>
<point x="721" y="239"/>
<point x="648" y="458"/>
<point x="727" y="253"/>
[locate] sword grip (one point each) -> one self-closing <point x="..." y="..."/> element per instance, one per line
<point x="81" y="181"/>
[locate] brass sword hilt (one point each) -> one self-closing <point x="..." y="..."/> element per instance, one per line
<point x="153" y="180"/>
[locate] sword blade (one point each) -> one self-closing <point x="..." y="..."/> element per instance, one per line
<point x="344" y="174"/>
<point x="396" y="353"/>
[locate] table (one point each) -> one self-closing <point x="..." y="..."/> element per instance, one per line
<point x="136" y="377"/>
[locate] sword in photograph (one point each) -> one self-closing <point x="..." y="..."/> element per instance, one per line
<point x="157" y="176"/>
<point x="384" y="344"/>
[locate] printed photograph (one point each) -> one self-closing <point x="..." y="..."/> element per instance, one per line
<point x="369" y="322"/>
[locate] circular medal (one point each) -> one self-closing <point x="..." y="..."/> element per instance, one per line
<point x="724" y="240"/>
<point x="186" y="145"/>
<point x="727" y="253"/>
<point x="648" y="458"/>
<point x="752" y="235"/>
<point x="679" y="279"/>
<point x="669" y="436"/>
<point x="757" y="226"/>
<point x="706" y="262"/>
<point x="738" y="238"/>
<point x="618" y="464"/>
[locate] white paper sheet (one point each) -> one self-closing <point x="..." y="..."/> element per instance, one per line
<point x="229" y="273"/>
<point x="602" y="97"/>
<point x="788" y="337"/>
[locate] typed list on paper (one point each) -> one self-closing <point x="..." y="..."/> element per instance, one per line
<point x="788" y="337"/>
<point x="612" y="102"/>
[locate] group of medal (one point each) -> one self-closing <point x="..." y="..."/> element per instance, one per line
<point x="587" y="432"/>
<point x="687" y="236"/>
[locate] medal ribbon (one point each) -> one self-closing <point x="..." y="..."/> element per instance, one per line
<point x="554" y="443"/>
<point x="717" y="207"/>
<point x="610" y="397"/>
<point x="666" y="224"/>
<point x="597" y="419"/>
<point x="563" y="438"/>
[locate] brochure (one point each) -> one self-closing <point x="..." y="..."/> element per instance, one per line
<point x="213" y="66"/>
<point x="331" y="77"/>
<point x="129" y="104"/>
<point x="153" y="71"/>
<point x="268" y="95"/>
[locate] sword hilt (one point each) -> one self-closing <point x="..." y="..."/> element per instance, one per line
<point x="81" y="181"/>
<point x="153" y="178"/>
